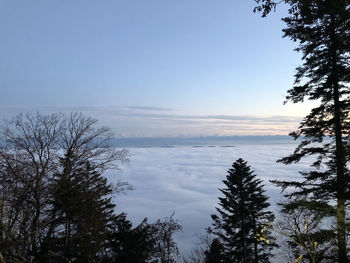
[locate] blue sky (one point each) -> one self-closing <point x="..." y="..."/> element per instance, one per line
<point x="199" y="58"/>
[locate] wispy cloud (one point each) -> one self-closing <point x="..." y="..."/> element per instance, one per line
<point x="146" y="108"/>
<point x="141" y="121"/>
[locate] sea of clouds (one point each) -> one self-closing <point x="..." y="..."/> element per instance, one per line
<point x="186" y="179"/>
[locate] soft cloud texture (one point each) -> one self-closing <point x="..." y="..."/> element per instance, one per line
<point x="186" y="180"/>
<point x="136" y="121"/>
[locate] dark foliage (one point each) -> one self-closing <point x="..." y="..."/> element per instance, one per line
<point x="83" y="212"/>
<point x="127" y="244"/>
<point x="321" y="29"/>
<point x="55" y="203"/>
<point x="148" y="243"/>
<point x="215" y="254"/>
<point x="243" y="215"/>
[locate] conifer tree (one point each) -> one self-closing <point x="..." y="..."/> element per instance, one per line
<point x="146" y="243"/>
<point x="321" y="29"/>
<point x="81" y="209"/>
<point x="80" y="195"/>
<point x="215" y="252"/>
<point x="242" y="216"/>
<point x="84" y="211"/>
<point x="130" y="245"/>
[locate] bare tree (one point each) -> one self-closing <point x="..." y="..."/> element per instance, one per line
<point x="37" y="151"/>
<point x="82" y="140"/>
<point x="202" y="246"/>
<point x="306" y="233"/>
<point x="86" y="154"/>
<point x="166" y="250"/>
<point x="28" y="159"/>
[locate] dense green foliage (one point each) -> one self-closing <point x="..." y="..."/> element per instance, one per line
<point x="243" y="215"/>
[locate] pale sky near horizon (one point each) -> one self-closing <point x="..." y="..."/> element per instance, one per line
<point x="150" y="68"/>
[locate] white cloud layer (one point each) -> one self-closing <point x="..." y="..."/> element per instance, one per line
<point x="186" y="180"/>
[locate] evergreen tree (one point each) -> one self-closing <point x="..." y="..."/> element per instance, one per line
<point x="130" y="245"/>
<point x="242" y="216"/>
<point x="84" y="212"/>
<point x="321" y="28"/>
<point x="146" y="243"/>
<point x="215" y="252"/>
<point x="81" y="210"/>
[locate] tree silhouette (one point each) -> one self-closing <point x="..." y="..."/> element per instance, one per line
<point x="54" y="199"/>
<point x="81" y="195"/>
<point x="146" y="243"/>
<point x="321" y="29"/>
<point x="243" y="217"/>
<point x="215" y="252"/>
<point x="130" y="245"/>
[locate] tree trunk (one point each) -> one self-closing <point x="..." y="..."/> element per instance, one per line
<point x="255" y="243"/>
<point x="341" y="182"/>
<point x="244" y="247"/>
<point x="339" y="152"/>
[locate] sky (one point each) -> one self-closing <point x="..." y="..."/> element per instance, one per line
<point x="150" y="68"/>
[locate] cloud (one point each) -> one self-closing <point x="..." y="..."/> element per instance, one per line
<point x="145" y="108"/>
<point x="135" y="121"/>
<point x="186" y="180"/>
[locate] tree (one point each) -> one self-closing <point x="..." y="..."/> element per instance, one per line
<point x="243" y="214"/>
<point x="306" y="231"/>
<point x="130" y="245"/>
<point x="321" y="29"/>
<point x="54" y="200"/>
<point x="166" y="250"/>
<point x="28" y="159"/>
<point x="146" y="243"/>
<point x="201" y="248"/>
<point x="83" y="209"/>
<point x="81" y="197"/>
<point x="215" y="252"/>
<point x="55" y="203"/>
